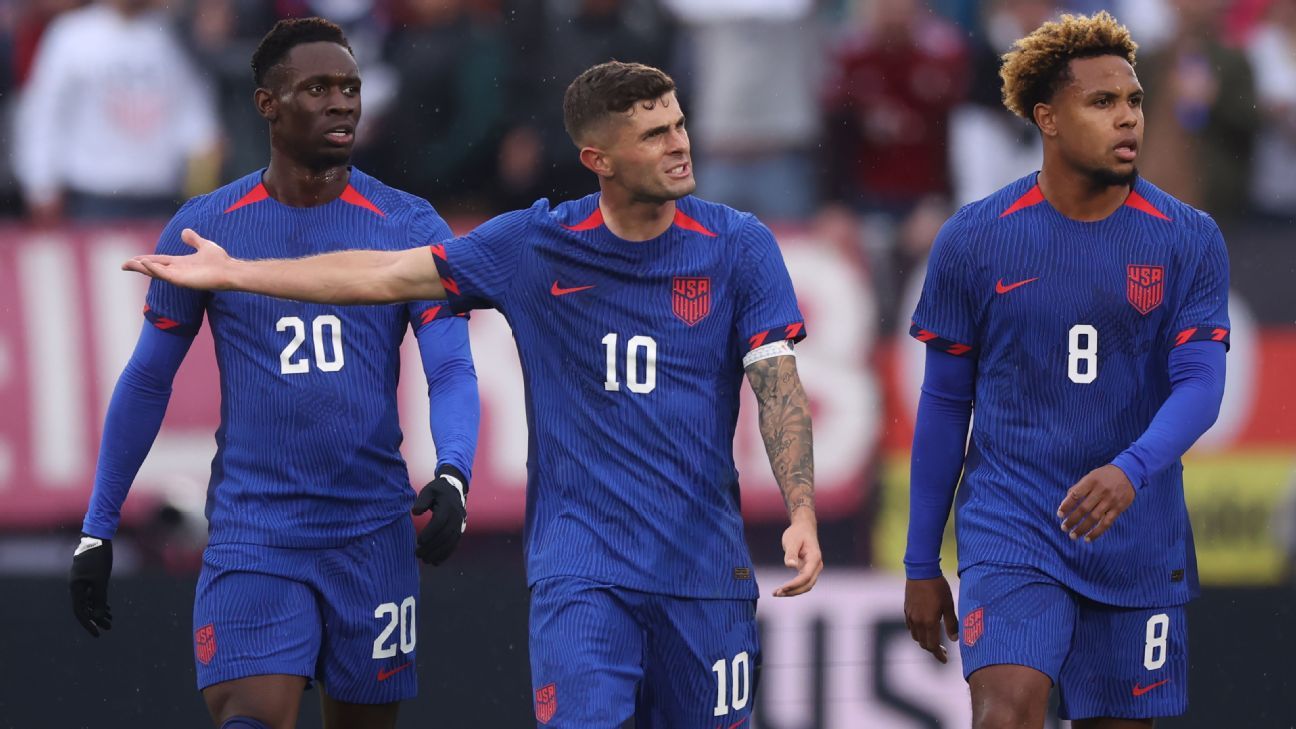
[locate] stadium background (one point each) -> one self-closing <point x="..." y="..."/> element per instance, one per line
<point x="853" y="128"/>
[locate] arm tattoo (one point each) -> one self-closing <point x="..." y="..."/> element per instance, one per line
<point x="785" y="427"/>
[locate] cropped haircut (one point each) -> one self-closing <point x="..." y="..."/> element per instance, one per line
<point x="1040" y="64"/>
<point x="607" y="89"/>
<point x="287" y="35"/>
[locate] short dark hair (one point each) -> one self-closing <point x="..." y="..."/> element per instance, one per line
<point x="287" y="35"/>
<point x="610" y="88"/>
<point x="1039" y="64"/>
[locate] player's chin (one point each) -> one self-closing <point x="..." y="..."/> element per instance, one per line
<point x="676" y="189"/>
<point x="1117" y="174"/>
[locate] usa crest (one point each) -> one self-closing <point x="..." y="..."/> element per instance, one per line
<point x="546" y="700"/>
<point x="205" y="643"/>
<point x="691" y="298"/>
<point x="1145" y="287"/>
<point x="973" y="627"/>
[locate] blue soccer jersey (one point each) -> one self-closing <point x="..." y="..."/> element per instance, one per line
<point x="1071" y="324"/>
<point x="632" y="359"/>
<point x="308" y="446"/>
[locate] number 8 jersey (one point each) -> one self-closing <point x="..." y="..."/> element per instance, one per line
<point x="1071" y="324"/>
<point x="631" y="357"/>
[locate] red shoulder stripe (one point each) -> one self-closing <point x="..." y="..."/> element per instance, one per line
<point x="255" y="195"/>
<point x="1033" y="196"/>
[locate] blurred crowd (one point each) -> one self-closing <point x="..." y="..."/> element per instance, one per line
<point x="874" y="118"/>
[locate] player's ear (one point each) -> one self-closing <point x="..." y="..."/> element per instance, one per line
<point x="1044" y="119"/>
<point x="267" y="104"/>
<point x="596" y="161"/>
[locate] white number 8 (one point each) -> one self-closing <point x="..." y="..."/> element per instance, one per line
<point x="1154" y="648"/>
<point x="1082" y="346"/>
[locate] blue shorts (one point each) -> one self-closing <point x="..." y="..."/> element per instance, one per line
<point x="1123" y="663"/>
<point x="344" y="616"/>
<point x="602" y="654"/>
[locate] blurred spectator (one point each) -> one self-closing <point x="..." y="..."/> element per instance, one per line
<point x="1272" y="51"/>
<point x="114" y="118"/>
<point x="754" y="116"/>
<point x="32" y="18"/>
<point x="894" y="81"/>
<point x="224" y="34"/>
<point x="536" y="156"/>
<point x="989" y="145"/>
<point x="438" y="139"/>
<point x="1200" y="114"/>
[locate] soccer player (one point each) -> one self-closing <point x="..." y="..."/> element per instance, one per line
<point x="310" y="571"/>
<point x="1083" y="314"/>
<point x="636" y="311"/>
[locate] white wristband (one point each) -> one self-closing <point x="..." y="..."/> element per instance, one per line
<point x="780" y="348"/>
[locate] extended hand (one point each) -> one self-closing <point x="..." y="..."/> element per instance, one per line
<point x="927" y="603"/>
<point x="1094" y="502"/>
<point x="801" y="553"/>
<point x="88" y="580"/>
<point x="208" y="267"/>
<point x="445" y="498"/>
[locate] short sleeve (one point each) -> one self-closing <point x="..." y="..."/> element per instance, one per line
<point x="767" y="304"/>
<point x="168" y="307"/>
<point x="477" y="269"/>
<point x="1203" y="316"/>
<point x="946" y="317"/>
<point x="427" y="227"/>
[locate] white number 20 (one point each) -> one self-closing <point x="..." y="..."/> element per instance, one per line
<point x="327" y="360"/>
<point x="399" y="617"/>
<point x="1082" y="354"/>
<point x="740" y="671"/>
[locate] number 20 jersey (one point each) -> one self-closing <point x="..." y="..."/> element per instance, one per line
<point x="631" y="357"/>
<point x="1071" y="324"/>
<point x="308" y="449"/>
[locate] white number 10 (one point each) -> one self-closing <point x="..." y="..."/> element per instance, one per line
<point x="1082" y="349"/>
<point x="633" y="381"/>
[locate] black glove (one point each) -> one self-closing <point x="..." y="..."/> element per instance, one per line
<point x="446" y="498"/>
<point x="88" y="579"/>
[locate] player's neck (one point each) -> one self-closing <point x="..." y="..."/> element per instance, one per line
<point x="635" y="220"/>
<point x="1077" y="196"/>
<point x="301" y="186"/>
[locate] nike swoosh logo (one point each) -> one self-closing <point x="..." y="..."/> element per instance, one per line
<point x="1140" y="690"/>
<point x="1000" y="288"/>
<point x="560" y="291"/>
<point x="383" y="674"/>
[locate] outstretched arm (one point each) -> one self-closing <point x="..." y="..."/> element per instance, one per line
<point x="345" y="277"/>
<point x="789" y="442"/>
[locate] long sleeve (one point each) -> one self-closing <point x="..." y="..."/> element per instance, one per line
<point x="139" y="402"/>
<point x="37" y="134"/>
<point x="940" y="439"/>
<point x="455" y="408"/>
<point x="1196" y="391"/>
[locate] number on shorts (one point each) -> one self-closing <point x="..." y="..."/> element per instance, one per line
<point x="1154" y="648"/>
<point x="740" y="671"/>
<point x="399" y="617"/>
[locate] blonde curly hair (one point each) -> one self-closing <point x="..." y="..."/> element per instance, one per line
<point x="1039" y="64"/>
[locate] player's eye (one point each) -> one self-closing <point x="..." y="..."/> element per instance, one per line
<point x="1136" y="101"/>
<point x="316" y="88"/>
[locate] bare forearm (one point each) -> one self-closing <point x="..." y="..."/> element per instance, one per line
<point x="345" y="277"/>
<point x="786" y="429"/>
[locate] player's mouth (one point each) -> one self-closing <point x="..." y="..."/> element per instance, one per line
<point x="681" y="171"/>
<point x="341" y="135"/>
<point x="1127" y="149"/>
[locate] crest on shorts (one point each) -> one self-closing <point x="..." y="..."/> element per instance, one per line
<point x="691" y="298"/>
<point x="546" y="703"/>
<point x="973" y="627"/>
<point x="1145" y="287"/>
<point x="205" y="643"/>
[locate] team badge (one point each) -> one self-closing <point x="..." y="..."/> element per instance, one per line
<point x="205" y="643"/>
<point x="546" y="703"/>
<point x="1145" y="287"/>
<point x="973" y="627"/>
<point x="691" y="298"/>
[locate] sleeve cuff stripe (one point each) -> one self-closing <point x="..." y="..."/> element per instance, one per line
<point x="792" y="332"/>
<point x="933" y="339"/>
<point x="1202" y="334"/>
